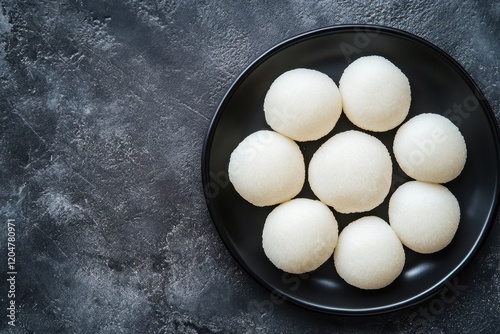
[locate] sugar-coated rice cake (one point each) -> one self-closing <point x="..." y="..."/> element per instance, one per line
<point x="303" y="104"/>
<point x="425" y="216"/>
<point x="267" y="168"/>
<point x="352" y="172"/>
<point x="429" y="147"/>
<point x="300" y="235"/>
<point x="376" y="95"/>
<point x="369" y="254"/>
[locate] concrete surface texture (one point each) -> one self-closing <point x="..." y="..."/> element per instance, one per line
<point x="104" y="106"/>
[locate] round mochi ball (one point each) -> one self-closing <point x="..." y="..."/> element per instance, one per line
<point x="267" y="168"/>
<point x="303" y="104"/>
<point x="429" y="147"/>
<point x="300" y="235"/>
<point x="424" y="215"/>
<point x="375" y="93"/>
<point x="369" y="254"/>
<point x="352" y="172"/>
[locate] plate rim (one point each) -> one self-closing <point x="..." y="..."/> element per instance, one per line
<point x="297" y="38"/>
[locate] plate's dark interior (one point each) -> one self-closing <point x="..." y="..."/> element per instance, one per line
<point x="438" y="84"/>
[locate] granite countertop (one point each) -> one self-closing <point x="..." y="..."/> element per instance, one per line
<point x="104" y="106"/>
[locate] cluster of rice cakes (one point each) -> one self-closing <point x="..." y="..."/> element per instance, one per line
<point x="350" y="173"/>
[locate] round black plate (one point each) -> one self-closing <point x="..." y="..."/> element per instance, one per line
<point x="439" y="85"/>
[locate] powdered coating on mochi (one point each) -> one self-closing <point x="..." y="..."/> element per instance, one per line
<point x="425" y="216"/>
<point x="429" y="147"/>
<point x="352" y="172"/>
<point x="267" y="168"/>
<point x="369" y="255"/>
<point x="300" y="235"/>
<point x="303" y="104"/>
<point x="376" y="95"/>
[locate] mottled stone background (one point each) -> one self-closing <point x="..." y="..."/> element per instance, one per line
<point x="104" y="106"/>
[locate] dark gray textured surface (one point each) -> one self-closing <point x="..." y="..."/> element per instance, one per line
<point x="104" y="106"/>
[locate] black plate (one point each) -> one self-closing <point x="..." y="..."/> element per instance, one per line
<point x="439" y="85"/>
